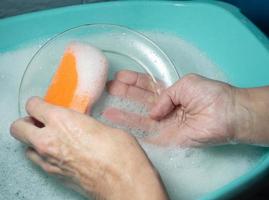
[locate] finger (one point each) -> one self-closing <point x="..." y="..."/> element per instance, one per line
<point x="24" y="130"/>
<point x="129" y="119"/>
<point x="137" y="79"/>
<point x="118" y="88"/>
<point x="37" y="108"/>
<point x="38" y="160"/>
<point x="164" y="105"/>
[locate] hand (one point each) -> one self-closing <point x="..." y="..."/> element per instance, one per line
<point x="195" y="111"/>
<point x="96" y="159"/>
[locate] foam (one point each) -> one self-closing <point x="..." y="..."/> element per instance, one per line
<point x="187" y="57"/>
<point x="92" y="69"/>
<point x="107" y="100"/>
<point x="187" y="173"/>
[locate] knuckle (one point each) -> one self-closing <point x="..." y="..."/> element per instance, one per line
<point x="41" y="150"/>
<point x="31" y="103"/>
<point x="119" y="74"/>
<point x="42" y="147"/>
<point x="47" y="146"/>
<point x="52" y="149"/>
<point x="49" y="169"/>
<point x="14" y="126"/>
<point x="128" y="91"/>
<point x="186" y="81"/>
<point x="171" y="93"/>
<point x="51" y="114"/>
<point x="55" y="114"/>
<point x="46" y="167"/>
<point x="190" y="77"/>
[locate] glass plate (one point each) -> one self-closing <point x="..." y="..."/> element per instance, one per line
<point x="123" y="47"/>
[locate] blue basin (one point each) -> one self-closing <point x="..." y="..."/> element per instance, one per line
<point x="231" y="41"/>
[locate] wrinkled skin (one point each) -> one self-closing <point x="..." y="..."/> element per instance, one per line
<point x="109" y="163"/>
<point x="89" y="156"/>
<point x="195" y="111"/>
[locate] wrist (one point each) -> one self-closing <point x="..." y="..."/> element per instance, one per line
<point x="141" y="182"/>
<point x="252" y="115"/>
<point x="242" y="116"/>
<point x="149" y="184"/>
<point x="135" y="179"/>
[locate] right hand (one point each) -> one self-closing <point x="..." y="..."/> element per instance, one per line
<point x="89" y="156"/>
<point x="195" y="111"/>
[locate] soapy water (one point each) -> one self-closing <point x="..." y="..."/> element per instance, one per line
<point x="107" y="100"/>
<point x="187" y="173"/>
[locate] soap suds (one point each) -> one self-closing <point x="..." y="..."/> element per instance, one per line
<point x="187" y="173"/>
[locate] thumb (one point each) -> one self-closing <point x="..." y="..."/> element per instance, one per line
<point x="167" y="102"/>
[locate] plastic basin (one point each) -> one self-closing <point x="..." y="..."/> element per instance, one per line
<point x="220" y="30"/>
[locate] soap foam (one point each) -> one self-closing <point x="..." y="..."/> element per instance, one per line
<point x="88" y="59"/>
<point x="187" y="173"/>
<point x="107" y="100"/>
<point x="186" y="57"/>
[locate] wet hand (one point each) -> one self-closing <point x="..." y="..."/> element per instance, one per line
<point x="195" y="111"/>
<point x="89" y="156"/>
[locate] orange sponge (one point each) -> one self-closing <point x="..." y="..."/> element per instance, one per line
<point x="80" y="78"/>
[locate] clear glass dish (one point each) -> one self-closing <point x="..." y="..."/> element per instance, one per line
<point x="123" y="47"/>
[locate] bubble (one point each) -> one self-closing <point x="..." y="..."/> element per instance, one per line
<point x="187" y="173"/>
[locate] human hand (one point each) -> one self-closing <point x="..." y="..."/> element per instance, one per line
<point x="195" y="111"/>
<point x="87" y="155"/>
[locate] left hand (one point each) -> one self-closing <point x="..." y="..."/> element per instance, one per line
<point x="195" y="111"/>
